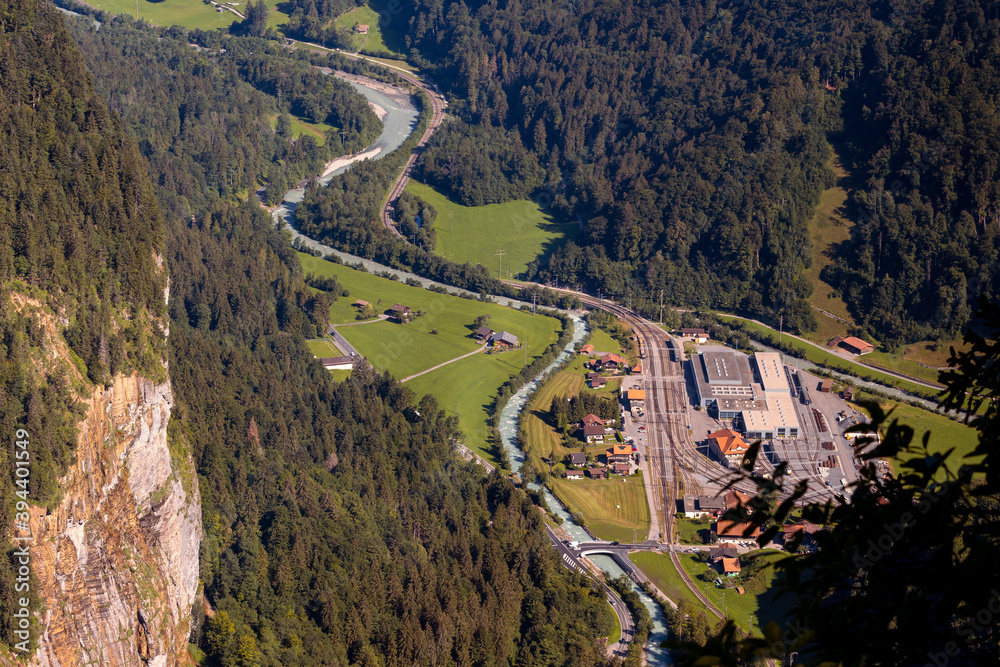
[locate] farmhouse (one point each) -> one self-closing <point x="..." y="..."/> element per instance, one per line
<point x="592" y="433"/>
<point x="613" y="361"/>
<point x="728" y="447"/>
<point x="483" y="334"/>
<point x="578" y="458"/>
<point x="503" y="340"/>
<point x="399" y="312"/>
<point x="856" y="345"/>
<point x="726" y="528"/>
<point x="619" y="454"/>
<point x="598" y="473"/>
<point x="337" y="363"/>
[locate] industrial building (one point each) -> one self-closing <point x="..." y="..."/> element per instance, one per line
<point x="758" y="399"/>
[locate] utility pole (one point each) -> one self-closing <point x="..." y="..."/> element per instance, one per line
<point x="781" y="326"/>
<point x="343" y="137"/>
<point x="534" y="299"/>
<point x="500" y="254"/>
<point x="661" y="308"/>
<point x="600" y="299"/>
<point x="451" y="220"/>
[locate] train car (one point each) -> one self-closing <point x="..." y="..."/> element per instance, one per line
<point x="805" y="398"/>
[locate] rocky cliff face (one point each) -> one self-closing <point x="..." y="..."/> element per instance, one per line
<point x="117" y="561"/>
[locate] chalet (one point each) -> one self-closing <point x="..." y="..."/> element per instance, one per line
<point x="737" y="529"/>
<point x="595" y="381"/>
<point x="728" y="447"/>
<point x="636" y="398"/>
<point x="856" y="345"/>
<point x="574" y="474"/>
<point x="724" y="550"/>
<point x="710" y="505"/>
<point x="592" y="433"/>
<point x="337" y="363"/>
<point x="587" y="349"/>
<point x="622" y="469"/>
<point x="578" y="459"/>
<point x="730" y="566"/>
<point x="503" y="339"/>
<point x="361" y="28"/>
<point x="598" y="473"/>
<point x="613" y="361"/>
<point x="700" y="335"/>
<point x="399" y="312"/>
<point x="619" y="454"/>
<point x="483" y="334"/>
<point x="592" y="419"/>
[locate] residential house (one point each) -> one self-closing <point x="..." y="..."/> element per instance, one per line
<point x="503" y="339"/>
<point x="724" y="550"/>
<point x="593" y="433"/>
<point x="598" y="473"/>
<point x="574" y="474"/>
<point x="483" y="334"/>
<point x="622" y="469"/>
<point x="728" y="447"/>
<point x="591" y="419"/>
<point x="619" y="454"/>
<point x="637" y="368"/>
<point x="614" y="361"/>
<point x="337" y="363"/>
<point x="735" y="499"/>
<point x="712" y="505"/>
<point x="399" y="312"/>
<point x="595" y="381"/>
<point x="735" y="529"/>
<point x="689" y="506"/>
<point x="578" y="459"/>
<point x="699" y="335"/>
<point x="636" y="398"/>
<point x="730" y="566"/>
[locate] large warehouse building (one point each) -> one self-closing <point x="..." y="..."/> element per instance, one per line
<point x="757" y="398"/>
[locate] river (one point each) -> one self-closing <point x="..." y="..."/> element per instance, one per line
<point x="400" y="120"/>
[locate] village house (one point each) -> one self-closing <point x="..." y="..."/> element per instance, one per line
<point x="735" y="529"/>
<point x="399" y="312"/>
<point x="622" y="469"/>
<point x="724" y="550"/>
<point x="591" y="420"/>
<point x="728" y="447"/>
<point x="613" y="361"/>
<point x="856" y="345"/>
<point x="483" y="334"/>
<point x="593" y="433"/>
<point x="574" y="474"/>
<point x="710" y="505"/>
<point x="578" y="459"/>
<point x="699" y="335"/>
<point x="619" y="454"/>
<point x="598" y="473"/>
<point x="731" y="566"/>
<point x="587" y="349"/>
<point x="595" y="381"/>
<point x="361" y="28"/>
<point x="503" y="340"/>
<point x="636" y="398"/>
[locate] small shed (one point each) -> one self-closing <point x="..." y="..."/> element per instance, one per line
<point x="361" y="28"/>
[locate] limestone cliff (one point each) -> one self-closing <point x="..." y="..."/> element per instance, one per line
<point x="117" y="560"/>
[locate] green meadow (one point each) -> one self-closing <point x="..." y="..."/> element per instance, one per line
<point x="186" y="13"/>
<point x="474" y="234"/>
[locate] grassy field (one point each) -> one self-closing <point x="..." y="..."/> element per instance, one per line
<point x="301" y="126"/>
<point x="614" y="509"/>
<point x="742" y="608"/>
<point x="616" y="627"/>
<point x="829" y="228"/>
<point x="323" y="347"/>
<point x="665" y="577"/>
<point x="464" y="388"/>
<point x="691" y="531"/>
<point x="187" y="13"/>
<point x="945" y="433"/>
<point x="277" y="18"/>
<point x="370" y="42"/>
<point x="474" y="234"/>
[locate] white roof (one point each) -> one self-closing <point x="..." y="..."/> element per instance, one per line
<point x="780" y="413"/>
<point x="772" y="374"/>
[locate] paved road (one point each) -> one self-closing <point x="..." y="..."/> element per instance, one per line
<point x="342" y="343"/>
<point x="572" y="561"/>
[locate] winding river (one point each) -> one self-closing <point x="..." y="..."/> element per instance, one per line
<point x="399" y="122"/>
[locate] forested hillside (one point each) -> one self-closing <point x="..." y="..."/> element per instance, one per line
<point x="80" y="237"/>
<point x="340" y="528"/>
<point x="691" y="140"/>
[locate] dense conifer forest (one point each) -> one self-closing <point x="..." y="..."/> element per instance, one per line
<point x="692" y="139"/>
